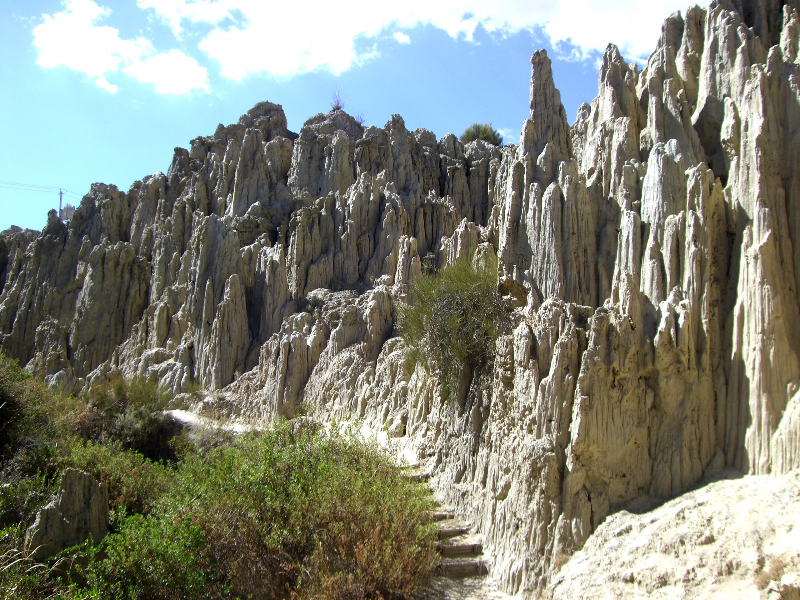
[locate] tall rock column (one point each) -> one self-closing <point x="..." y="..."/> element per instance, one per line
<point x="546" y="238"/>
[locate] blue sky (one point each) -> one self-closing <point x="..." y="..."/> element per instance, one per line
<point x="103" y="90"/>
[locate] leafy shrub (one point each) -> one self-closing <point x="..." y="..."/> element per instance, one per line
<point x="134" y="483"/>
<point x="453" y="321"/>
<point x="301" y="512"/>
<point x="21" y="578"/>
<point x="286" y="513"/>
<point x="21" y="498"/>
<point x="129" y="411"/>
<point x="24" y="417"/>
<point x="481" y="131"/>
<point x="155" y="558"/>
<point x="281" y="514"/>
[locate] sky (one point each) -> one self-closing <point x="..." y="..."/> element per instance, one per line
<point x="104" y="90"/>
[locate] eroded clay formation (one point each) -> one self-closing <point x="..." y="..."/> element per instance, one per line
<point x="652" y="250"/>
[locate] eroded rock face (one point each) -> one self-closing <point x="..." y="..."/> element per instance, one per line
<point x="78" y="513"/>
<point x="651" y="251"/>
<point x="730" y="539"/>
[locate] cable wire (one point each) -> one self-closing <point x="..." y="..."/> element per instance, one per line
<point x="28" y="187"/>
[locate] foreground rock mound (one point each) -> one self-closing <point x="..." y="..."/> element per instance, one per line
<point x="731" y="539"/>
<point x="78" y="513"/>
<point x="651" y="252"/>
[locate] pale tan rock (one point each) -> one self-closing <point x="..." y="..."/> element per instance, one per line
<point x="79" y="512"/>
<point x="720" y="541"/>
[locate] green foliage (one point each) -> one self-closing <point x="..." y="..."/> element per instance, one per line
<point x="281" y="514"/>
<point x="23" y="409"/>
<point x="453" y="321"/>
<point x="20" y="577"/>
<point x="21" y="497"/>
<point x="285" y="513"/>
<point x="308" y="514"/>
<point x="134" y="483"/>
<point x="481" y="131"/>
<point x="155" y="558"/>
<point x="129" y="411"/>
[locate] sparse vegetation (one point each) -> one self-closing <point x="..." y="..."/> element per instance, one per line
<point x="481" y="131"/>
<point x="337" y="101"/>
<point x="773" y="571"/>
<point x="453" y="320"/>
<point x="291" y="512"/>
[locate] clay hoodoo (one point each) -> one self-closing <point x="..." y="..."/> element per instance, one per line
<point x="652" y="251"/>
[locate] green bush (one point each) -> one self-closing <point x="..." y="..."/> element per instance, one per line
<point x="21" y="498"/>
<point x="281" y="514"/>
<point x="21" y="578"/>
<point x="129" y="411"/>
<point x="481" y="131"/>
<point x="134" y="483"/>
<point x="453" y="320"/>
<point x="155" y="558"/>
<point x="284" y="513"/>
<point x="24" y="415"/>
<point x="308" y="514"/>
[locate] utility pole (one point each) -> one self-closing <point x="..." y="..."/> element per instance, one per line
<point x="60" y="200"/>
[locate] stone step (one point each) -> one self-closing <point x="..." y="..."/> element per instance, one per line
<point x="417" y="475"/>
<point x="462" y="545"/>
<point x="449" y="528"/>
<point x="461" y="567"/>
<point x="442" y="513"/>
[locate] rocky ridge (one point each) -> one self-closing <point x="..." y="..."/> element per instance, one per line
<point x="651" y="251"/>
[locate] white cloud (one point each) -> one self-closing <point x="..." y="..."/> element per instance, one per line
<point x="510" y="135"/>
<point x="194" y="11"/>
<point x="170" y="73"/>
<point x="289" y="38"/>
<point x="590" y="25"/>
<point x="72" y="38"/>
<point x="103" y="84"/>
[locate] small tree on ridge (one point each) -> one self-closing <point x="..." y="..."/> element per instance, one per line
<point x="481" y="131"/>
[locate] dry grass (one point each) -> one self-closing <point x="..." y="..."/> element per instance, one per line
<point x="773" y="570"/>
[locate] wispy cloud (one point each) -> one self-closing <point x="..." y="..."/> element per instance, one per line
<point x="289" y="38"/>
<point x="510" y="135"/>
<point x="173" y="12"/>
<point x="73" y="38"/>
<point x="588" y="26"/>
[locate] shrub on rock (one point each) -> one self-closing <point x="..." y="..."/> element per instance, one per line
<point x="481" y="131"/>
<point x="453" y="320"/>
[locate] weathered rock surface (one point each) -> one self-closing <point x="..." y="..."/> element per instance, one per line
<point x="79" y="512"/>
<point x="13" y="243"/>
<point x="652" y="252"/>
<point x="730" y="539"/>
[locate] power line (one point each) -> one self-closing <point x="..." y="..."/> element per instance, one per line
<point x="36" y="188"/>
<point x="28" y="187"/>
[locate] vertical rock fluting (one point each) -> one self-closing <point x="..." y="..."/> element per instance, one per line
<point x="652" y="252"/>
